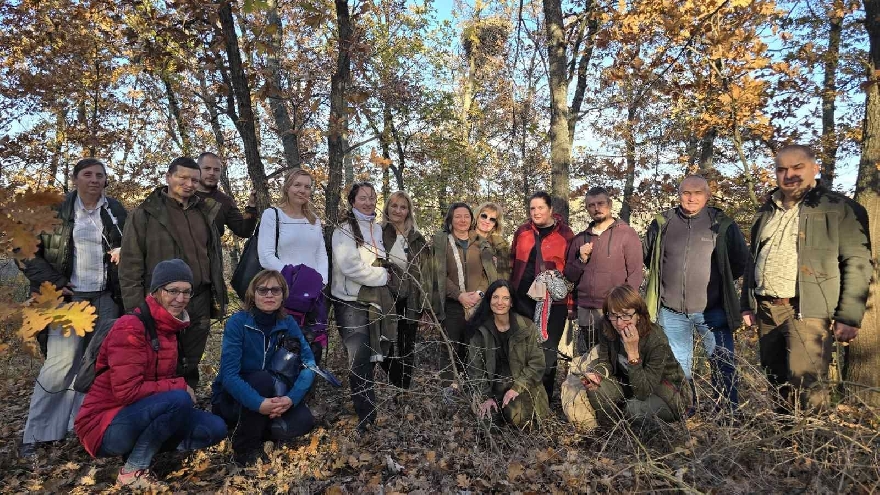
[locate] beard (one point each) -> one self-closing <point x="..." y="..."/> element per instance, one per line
<point x="600" y="217"/>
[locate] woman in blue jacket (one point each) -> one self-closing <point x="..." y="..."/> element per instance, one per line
<point x="247" y="393"/>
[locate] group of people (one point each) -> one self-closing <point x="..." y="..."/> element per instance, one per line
<point x="502" y="307"/>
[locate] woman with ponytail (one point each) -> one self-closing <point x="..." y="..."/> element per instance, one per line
<point x="358" y="288"/>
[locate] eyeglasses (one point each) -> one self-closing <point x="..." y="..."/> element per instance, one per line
<point x="175" y="293"/>
<point x="622" y="316"/>
<point x="487" y="217"/>
<point x="265" y="291"/>
<point x="597" y="204"/>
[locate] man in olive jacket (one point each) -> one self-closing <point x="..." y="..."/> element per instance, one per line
<point x="173" y="222"/>
<point x="812" y="266"/>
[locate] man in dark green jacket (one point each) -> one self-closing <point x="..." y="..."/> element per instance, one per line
<point x="173" y="222"/>
<point x="812" y="266"/>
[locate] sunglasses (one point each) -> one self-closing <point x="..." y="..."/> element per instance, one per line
<point x="487" y="217"/>
<point x="265" y="291"/>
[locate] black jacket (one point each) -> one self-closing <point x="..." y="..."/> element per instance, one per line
<point x="53" y="261"/>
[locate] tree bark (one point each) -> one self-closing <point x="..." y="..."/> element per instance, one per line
<point x="630" y="150"/>
<point x="707" y="151"/>
<point x="863" y="356"/>
<point x="338" y="121"/>
<point x="216" y="130"/>
<point x="829" y="93"/>
<point x="560" y="141"/>
<point x="245" y="122"/>
<point x="588" y="36"/>
<point x="284" y="125"/>
<point x="174" y="109"/>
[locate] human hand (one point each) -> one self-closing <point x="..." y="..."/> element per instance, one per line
<point x="508" y="397"/>
<point x="629" y="335"/>
<point x="585" y="251"/>
<point x="487" y="407"/>
<point x="749" y="318"/>
<point x="192" y="393"/>
<point x="844" y="332"/>
<point x="267" y="406"/>
<point x="282" y="404"/>
<point x="591" y="381"/>
<point x="114" y="255"/>
<point x="67" y="290"/>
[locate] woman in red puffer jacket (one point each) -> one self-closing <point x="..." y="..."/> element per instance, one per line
<point x="138" y="405"/>
<point x="549" y="231"/>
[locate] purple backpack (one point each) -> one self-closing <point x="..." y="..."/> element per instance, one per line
<point x="306" y="302"/>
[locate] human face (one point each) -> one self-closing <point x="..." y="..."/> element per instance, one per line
<point x="500" y="302"/>
<point x="267" y="295"/>
<point x="174" y="297"/>
<point x="398" y="211"/>
<point x="694" y="195"/>
<point x="300" y="190"/>
<point x="211" y="169"/>
<point x="487" y="220"/>
<point x="90" y="181"/>
<point x="461" y="220"/>
<point x="795" y="174"/>
<point x="540" y="212"/>
<point x="623" y="318"/>
<point x="599" y="207"/>
<point x="182" y="183"/>
<point x="365" y="201"/>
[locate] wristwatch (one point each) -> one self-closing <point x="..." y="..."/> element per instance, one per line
<point x="481" y="294"/>
<point x="635" y="361"/>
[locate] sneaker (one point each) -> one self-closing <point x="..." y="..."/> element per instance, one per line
<point x="140" y="479"/>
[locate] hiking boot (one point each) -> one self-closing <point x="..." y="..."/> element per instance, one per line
<point x="248" y="458"/>
<point x="140" y="480"/>
<point x="28" y="451"/>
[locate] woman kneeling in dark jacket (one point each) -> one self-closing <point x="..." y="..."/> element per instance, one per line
<point x="505" y="363"/>
<point x="264" y="371"/>
<point x="636" y="374"/>
<point x="138" y="406"/>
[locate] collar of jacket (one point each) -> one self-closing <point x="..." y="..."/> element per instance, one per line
<point x="557" y="224"/>
<point x="154" y="204"/>
<point x="811" y="198"/>
<point x="615" y="223"/>
<point x="164" y="321"/>
<point x="716" y="216"/>
<point x="280" y="325"/>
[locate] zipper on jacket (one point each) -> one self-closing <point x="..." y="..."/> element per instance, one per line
<point x="687" y="250"/>
<point x="265" y="344"/>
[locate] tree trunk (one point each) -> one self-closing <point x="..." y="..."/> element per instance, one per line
<point x="630" y="150"/>
<point x="589" y="38"/>
<point x="707" y="151"/>
<point x="245" y="123"/>
<point x="863" y="357"/>
<point x="283" y="124"/>
<point x="57" y="145"/>
<point x="338" y="122"/>
<point x="385" y="144"/>
<point x="829" y="93"/>
<point x="560" y="142"/>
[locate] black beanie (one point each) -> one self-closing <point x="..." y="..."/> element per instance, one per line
<point x="170" y="271"/>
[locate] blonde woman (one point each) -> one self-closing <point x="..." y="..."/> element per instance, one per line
<point x="490" y="225"/>
<point x="407" y="249"/>
<point x="300" y="236"/>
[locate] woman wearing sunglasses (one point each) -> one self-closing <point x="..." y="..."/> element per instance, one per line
<point x="635" y="375"/>
<point x="490" y="225"/>
<point x="245" y="392"/>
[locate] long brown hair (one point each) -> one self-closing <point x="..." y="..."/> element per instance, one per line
<point x="621" y="298"/>
<point x="307" y="210"/>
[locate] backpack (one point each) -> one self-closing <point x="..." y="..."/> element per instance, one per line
<point x="87" y="373"/>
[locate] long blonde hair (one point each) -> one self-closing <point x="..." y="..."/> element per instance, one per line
<point x="307" y="210"/>
<point x="410" y="223"/>
<point x="499" y="216"/>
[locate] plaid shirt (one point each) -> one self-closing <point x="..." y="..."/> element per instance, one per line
<point x="89" y="272"/>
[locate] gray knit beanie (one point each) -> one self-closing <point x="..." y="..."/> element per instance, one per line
<point x="169" y="271"/>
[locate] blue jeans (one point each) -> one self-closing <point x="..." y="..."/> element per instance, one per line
<point x="158" y="423"/>
<point x="717" y="339"/>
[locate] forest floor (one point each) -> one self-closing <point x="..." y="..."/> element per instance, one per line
<point x="422" y="445"/>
